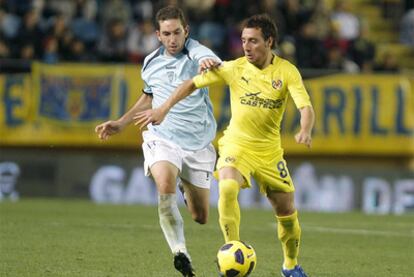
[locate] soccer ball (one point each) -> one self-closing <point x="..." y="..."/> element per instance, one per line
<point x="236" y="259"/>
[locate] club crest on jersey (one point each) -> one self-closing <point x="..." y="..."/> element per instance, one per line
<point x="171" y="76"/>
<point x="230" y="159"/>
<point x="277" y="84"/>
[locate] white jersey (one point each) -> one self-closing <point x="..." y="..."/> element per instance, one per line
<point x="190" y="123"/>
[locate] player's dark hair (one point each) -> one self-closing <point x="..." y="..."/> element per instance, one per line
<point x="169" y="12"/>
<point x="265" y="23"/>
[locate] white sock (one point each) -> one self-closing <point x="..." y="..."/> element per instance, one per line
<point x="172" y="223"/>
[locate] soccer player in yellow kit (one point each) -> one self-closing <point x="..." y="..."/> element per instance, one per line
<point x="260" y="83"/>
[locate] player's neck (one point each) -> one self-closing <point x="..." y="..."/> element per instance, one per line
<point x="266" y="61"/>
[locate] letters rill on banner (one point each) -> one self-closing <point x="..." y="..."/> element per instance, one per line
<point x="356" y="110"/>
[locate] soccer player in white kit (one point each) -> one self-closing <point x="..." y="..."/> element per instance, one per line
<point x="179" y="148"/>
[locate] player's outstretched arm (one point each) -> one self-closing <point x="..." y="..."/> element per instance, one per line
<point x="112" y="127"/>
<point x="156" y="116"/>
<point x="307" y="119"/>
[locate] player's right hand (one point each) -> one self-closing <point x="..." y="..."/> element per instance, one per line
<point x="208" y="64"/>
<point x="108" y="128"/>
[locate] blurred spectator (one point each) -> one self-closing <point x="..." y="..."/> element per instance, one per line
<point x="87" y="9"/>
<point x="142" y="10"/>
<point x="271" y="7"/>
<point x="392" y="9"/>
<point x="333" y="40"/>
<point x="309" y="49"/>
<point x="27" y="52"/>
<point x="287" y="50"/>
<point x="407" y="28"/>
<point x="116" y="9"/>
<point x="321" y="18"/>
<point x="30" y="35"/>
<point x="362" y="50"/>
<point x="84" y="25"/>
<point x="199" y="11"/>
<point x="294" y="17"/>
<point x="212" y="35"/>
<point x="79" y="53"/>
<point x="20" y="7"/>
<point x="51" y="54"/>
<point x="4" y="49"/>
<point x="64" y="7"/>
<point x="112" y="46"/>
<point x="388" y="63"/>
<point x="235" y="49"/>
<point x="9" y="24"/>
<point x="141" y="41"/>
<point x="348" y="23"/>
<point x="59" y="30"/>
<point x="338" y="61"/>
<point x="73" y="8"/>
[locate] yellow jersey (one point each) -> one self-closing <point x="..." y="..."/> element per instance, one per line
<point x="258" y="100"/>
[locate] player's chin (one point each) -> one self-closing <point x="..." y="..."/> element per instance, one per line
<point x="173" y="50"/>
<point x="251" y="60"/>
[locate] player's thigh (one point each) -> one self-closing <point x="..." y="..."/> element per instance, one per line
<point x="197" y="166"/>
<point x="162" y="160"/>
<point x="276" y="183"/>
<point x="274" y="176"/>
<point x="156" y="150"/>
<point x="233" y="164"/>
<point x="165" y="175"/>
<point x="196" y="175"/>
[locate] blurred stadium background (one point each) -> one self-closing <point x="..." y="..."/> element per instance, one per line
<point x="66" y="65"/>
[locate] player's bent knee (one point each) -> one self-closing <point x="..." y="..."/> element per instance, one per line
<point x="285" y="211"/>
<point x="228" y="189"/>
<point x="165" y="187"/>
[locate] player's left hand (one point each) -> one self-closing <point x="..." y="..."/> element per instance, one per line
<point x="154" y="116"/>
<point x="304" y="137"/>
<point x="208" y="64"/>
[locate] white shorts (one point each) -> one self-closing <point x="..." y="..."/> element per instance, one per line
<point x="195" y="167"/>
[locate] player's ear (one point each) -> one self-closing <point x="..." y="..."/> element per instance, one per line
<point x="269" y="42"/>
<point x="157" y="32"/>
<point x="186" y="30"/>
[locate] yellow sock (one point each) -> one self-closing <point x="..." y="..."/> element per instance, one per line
<point x="289" y="235"/>
<point x="229" y="210"/>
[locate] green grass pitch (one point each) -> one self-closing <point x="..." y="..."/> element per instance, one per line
<point x="40" y="237"/>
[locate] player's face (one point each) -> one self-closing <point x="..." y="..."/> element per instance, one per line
<point x="255" y="47"/>
<point x="172" y="35"/>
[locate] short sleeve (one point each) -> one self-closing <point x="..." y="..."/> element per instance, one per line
<point x="220" y="75"/>
<point x="297" y="89"/>
<point x="147" y="89"/>
<point x="207" y="78"/>
<point x="200" y="52"/>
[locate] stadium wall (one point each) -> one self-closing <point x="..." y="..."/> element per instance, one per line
<point x="362" y="155"/>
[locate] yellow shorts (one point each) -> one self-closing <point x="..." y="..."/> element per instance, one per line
<point x="269" y="173"/>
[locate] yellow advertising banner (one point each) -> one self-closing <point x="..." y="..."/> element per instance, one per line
<point x="357" y="114"/>
<point x="59" y="105"/>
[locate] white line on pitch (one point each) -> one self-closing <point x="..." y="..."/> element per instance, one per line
<point x="356" y="231"/>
